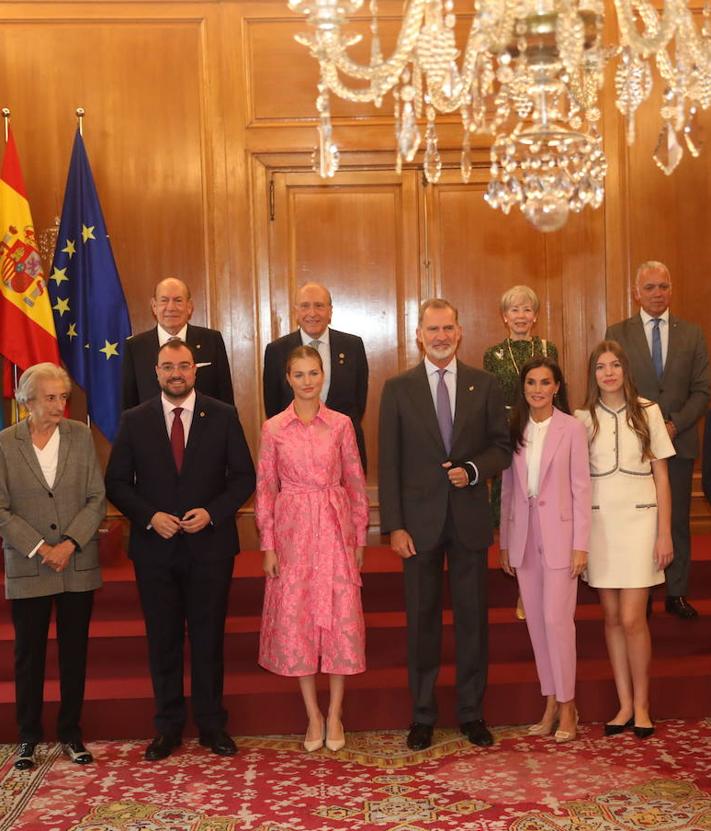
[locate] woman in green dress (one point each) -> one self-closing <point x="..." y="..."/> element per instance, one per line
<point x="519" y="310"/>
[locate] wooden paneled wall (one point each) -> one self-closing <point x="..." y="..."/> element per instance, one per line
<point x="200" y="126"/>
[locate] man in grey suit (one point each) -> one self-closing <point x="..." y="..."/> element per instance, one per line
<point x="443" y="434"/>
<point x="670" y="365"/>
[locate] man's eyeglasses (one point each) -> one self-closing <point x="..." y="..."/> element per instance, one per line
<point x="184" y="366"/>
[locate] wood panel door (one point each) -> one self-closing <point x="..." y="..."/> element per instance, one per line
<point x="358" y="236"/>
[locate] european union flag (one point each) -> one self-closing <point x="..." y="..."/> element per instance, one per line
<point x="90" y="311"/>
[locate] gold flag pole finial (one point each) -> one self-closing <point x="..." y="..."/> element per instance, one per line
<point x="6" y="119"/>
<point x="80" y="111"/>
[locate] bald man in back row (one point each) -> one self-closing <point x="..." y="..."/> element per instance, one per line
<point x="172" y="307"/>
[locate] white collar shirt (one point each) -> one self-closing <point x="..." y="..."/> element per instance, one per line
<point x="648" y="324"/>
<point x="164" y="337"/>
<point x="324" y="350"/>
<point x="450" y="380"/>
<point x="186" y="416"/>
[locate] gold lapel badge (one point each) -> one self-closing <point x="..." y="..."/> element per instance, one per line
<point x="202" y="413"/>
<point x="471" y="389"/>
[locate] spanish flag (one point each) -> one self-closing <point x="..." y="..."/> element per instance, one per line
<point x="27" y="334"/>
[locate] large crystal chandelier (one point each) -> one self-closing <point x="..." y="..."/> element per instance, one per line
<point x="529" y="76"/>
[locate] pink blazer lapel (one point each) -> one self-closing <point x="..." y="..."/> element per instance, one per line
<point x="550" y="445"/>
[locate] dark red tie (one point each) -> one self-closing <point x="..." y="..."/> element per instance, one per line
<point x="177" y="438"/>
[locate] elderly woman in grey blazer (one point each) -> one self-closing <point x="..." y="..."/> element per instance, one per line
<point x="51" y="505"/>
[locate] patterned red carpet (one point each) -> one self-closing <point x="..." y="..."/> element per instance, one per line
<point x="523" y="783"/>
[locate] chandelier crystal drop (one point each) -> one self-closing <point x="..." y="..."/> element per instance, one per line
<point x="529" y="76"/>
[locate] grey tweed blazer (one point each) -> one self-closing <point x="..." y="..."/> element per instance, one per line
<point x="31" y="511"/>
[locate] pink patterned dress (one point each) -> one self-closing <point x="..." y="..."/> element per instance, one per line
<point x="312" y="509"/>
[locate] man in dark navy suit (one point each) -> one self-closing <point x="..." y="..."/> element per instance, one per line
<point x="345" y="365"/>
<point x="179" y="470"/>
<point x="172" y="308"/>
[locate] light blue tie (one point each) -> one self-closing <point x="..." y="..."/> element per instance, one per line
<point x="444" y="411"/>
<point x="657" y="348"/>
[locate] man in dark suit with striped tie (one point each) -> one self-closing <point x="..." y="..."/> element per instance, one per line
<point x="670" y="365"/>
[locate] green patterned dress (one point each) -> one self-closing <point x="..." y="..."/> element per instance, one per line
<point x="504" y="360"/>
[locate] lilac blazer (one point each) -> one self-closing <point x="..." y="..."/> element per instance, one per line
<point x="564" y="495"/>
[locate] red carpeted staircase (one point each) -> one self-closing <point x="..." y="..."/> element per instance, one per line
<point x="119" y="699"/>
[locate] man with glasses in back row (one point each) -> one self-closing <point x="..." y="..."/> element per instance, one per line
<point x="670" y="365"/>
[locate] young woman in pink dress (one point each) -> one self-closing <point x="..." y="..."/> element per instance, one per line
<point x="312" y="514"/>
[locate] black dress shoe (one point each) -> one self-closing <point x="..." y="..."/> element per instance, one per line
<point x="643" y="732"/>
<point x="616" y="729"/>
<point x="680" y="607"/>
<point x="420" y="736"/>
<point x="161" y="747"/>
<point x="25" y="756"/>
<point x="77" y="753"/>
<point x="218" y="742"/>
<point x="477" y="733"/>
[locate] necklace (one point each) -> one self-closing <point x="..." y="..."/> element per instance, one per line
<point x="511" y="355"/>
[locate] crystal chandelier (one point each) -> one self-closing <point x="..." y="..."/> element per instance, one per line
<point x="529" y="76"/>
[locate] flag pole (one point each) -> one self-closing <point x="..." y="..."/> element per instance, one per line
<point x="80" y="113"/>
<point x="6" y="119"/>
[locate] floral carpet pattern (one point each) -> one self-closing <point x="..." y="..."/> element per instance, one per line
<point x="523" y="783"/>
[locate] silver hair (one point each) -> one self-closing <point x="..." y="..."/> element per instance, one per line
<point x="30" y="378"/>
<point x="651" y="265"/>
<point x="436" y="303"/>
<point x="529" y="295"/>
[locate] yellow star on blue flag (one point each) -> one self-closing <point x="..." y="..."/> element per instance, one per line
<point x="94" y="294"/>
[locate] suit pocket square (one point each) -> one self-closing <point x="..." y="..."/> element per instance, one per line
<point x="204" y="363"/>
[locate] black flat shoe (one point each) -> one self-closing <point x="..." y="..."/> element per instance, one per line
<point x="25" y="756"/>
<point x="219" y="743"/>
<point x="77" y="753"/>
<point x="616" y="729"/>
<point x="477" y="732"/>
<point x="420" y="736"/>
<point x="643" y="732"/>
<point x="161" y="747"/>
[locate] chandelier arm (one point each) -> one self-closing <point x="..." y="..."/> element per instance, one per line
<point x="659" y="39"/>
<point x="393" y="66"/>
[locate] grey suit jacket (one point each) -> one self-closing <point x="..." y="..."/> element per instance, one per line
<point x="683" y="390"/>
<point x="415" y="493"/>
<point x="31" y="511"/>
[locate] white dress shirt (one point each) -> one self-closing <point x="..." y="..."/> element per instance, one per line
<point x="186" y="416"/>
<point x="648" y="323"/>
<point x="535" y="436"/>
<point x="324" y="350"/>
<point x="164" y="337"/>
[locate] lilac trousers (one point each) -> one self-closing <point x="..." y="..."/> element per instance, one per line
<point x="549" y="597"/>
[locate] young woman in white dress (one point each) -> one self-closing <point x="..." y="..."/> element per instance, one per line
<point x="630" y="540"/>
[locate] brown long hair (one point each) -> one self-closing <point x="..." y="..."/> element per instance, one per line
<point x="634" y="409"/>
<point x="520" y="412"/>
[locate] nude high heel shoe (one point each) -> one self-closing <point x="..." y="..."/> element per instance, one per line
<point x="336" y="744"/>
<point x="311" y="745"/>
<point x="562" y="736"/>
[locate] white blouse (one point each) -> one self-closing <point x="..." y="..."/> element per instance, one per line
<point x="535" y="437"/>
<point x="48" y="458"/>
